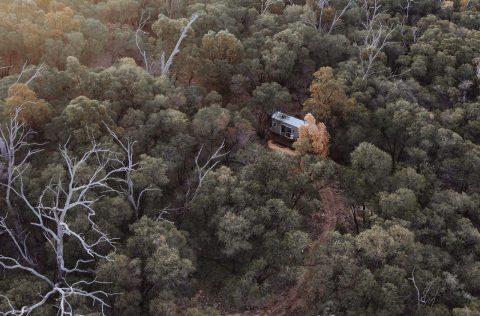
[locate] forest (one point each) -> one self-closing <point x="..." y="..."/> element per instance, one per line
<point x="136" y="176"/>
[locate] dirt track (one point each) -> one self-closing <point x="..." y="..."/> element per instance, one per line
<point x="334" y="211"/>
<point x="283" y="149"/>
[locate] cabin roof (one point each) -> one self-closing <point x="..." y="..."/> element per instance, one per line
<point x="290" y="120"/>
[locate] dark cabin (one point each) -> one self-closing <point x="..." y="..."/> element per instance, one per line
<point x="286" y="126"/>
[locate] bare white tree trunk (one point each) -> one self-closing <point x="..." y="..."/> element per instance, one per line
<point x="318" y="22"/>
<point x="338" y="16"/>
<point x="405" y="16"/>
<point x="138" y="32"/>
<point x="265" y="5"/>
<point x="127" y="187"/>
<point x="322" y="4"/>
<point x="15" y="138"/>
<point x="425" y="297"/>
<point x="20" y="243"/>
<point x="201" y="172"/>
<point x="165" y="65"/>
<point x="376" y="37"/>
<point x="58" y="199"/>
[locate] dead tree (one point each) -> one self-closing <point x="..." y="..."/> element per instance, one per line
<point x="376" y="37"/>
<point x="19" y="240"/>
<point x="265" y="5"/>
<point x="426" y="296"/>
<point x="321" y="7"/>
<point x="201" y="171"/>
<point x="74" y="193"/>
<point x="138" y="33"/>
<point x="37" y="72"/>
<point x="339" y="15"/>
<point x="127" y="186"/>
<point x="406" y="7"/>
<point x="165" y="63"/>
<point x="15" y="149"/>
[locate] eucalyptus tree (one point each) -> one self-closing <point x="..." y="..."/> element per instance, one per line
<point x="72" y="193"/>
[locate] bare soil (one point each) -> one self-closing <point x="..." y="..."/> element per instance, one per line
<point x="272" y="145"/>
<point x="335" y="212"/>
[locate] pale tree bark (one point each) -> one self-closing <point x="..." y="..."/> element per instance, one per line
<point x="138" y="33"/>
<point x="318" y="22"/>
<point x="339" y="15"/>
<point x="265" y="5"/>
<point x="322" y="4"/>
<point x="406" y="7"/>
<point x="50" y="211"/>
<point x="19" y="240"/>
<point x="37" y="72"/>
<point x="376" y="37"/>
<point x="15" y="149"/>
<point x="202" y="169"/>
<point x="427" y="296"/>
<point x="127" y="186"/>
<point x="165" y="63"/>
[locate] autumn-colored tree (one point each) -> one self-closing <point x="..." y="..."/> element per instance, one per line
<point x="61" y="22"/>
<point x="314" y="137"/>
<point x="222" y="45"/>
<point x="33" y="38"/>
<point x="35" y="112"/>
<point x="328" y="101"/>
<point x="46" y="5"/>
<point x="464" y="4"/>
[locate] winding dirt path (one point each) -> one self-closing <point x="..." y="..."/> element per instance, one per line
<point x="335" y="211"/>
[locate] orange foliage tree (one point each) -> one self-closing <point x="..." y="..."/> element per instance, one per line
<point x="222" y="45"/>
<point x="35" y="112"/>
<point x="328" y="100"/>
<point x="314" y="138"/>
<point x="60" y="22"/>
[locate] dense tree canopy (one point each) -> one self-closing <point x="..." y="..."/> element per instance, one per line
<point x="138" y="175"/>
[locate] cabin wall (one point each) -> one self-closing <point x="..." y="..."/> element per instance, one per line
<point x="295" y="133"/>
<point x="276" y="127"/>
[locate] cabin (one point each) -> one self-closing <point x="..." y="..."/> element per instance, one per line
<point x="286" y="126"/>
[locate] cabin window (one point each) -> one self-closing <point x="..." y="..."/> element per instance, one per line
<point x="274" y="124"/>
<point x="286" y="131"/>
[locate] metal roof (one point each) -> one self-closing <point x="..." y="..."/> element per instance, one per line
<point x="290" y="120"/>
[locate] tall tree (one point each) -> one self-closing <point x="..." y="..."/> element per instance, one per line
<point x="84" y="181"/>
<point x="23" y="103"/>
<point x="328" y="100"/>
<point x="314" y="137"/>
